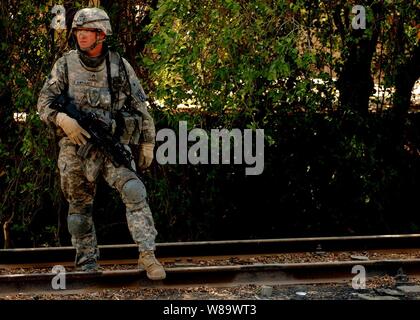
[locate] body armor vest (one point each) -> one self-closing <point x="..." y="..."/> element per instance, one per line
<point x="91" y="91"/>
<point x="89" y="87"/>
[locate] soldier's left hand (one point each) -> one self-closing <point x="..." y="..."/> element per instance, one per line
<point x="146" y="155"/>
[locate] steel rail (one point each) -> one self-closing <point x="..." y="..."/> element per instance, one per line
<point x="285" y="274"/>
<point x="209" y="248"/>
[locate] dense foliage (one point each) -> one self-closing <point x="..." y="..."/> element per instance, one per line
<point x="335" y="164"/>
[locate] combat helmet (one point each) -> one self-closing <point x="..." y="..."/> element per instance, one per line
<point x="92" y="18"/>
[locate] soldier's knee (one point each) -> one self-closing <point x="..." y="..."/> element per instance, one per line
<point x="81" y="207"/>
<point x="134" y="191"/>
<point x="79" y="224"/>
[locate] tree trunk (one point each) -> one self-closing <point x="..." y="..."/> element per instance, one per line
<point x="406" y="77"/>
<point x="355" y="81"/>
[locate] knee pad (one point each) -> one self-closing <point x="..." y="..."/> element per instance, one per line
<point x="134" y="191"/>
<point x="79" y="224"/>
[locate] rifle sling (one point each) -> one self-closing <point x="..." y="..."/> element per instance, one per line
<point x="109" y="78"/>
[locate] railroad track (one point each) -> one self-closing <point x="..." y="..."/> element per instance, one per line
<point x="219" y="248"/>
<point x="272" y="274"/>
<point x="222" y="275"/>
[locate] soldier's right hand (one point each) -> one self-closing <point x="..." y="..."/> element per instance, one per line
<point x="72" y="129"/>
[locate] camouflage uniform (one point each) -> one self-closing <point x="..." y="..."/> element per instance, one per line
<point x="85" y="80"/>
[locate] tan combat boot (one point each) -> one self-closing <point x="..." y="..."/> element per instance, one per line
<point x="148" y="262"/>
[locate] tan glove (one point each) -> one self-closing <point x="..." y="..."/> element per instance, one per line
<point x="72" y="129"/>
<point x="146" y="155"/>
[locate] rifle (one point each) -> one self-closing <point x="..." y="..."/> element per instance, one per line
<point x="100" y="133"/>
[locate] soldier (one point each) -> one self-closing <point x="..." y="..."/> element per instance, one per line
<point x="102" y="82"/>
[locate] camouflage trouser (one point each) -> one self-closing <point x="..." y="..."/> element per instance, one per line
<point x="79" y="188"/>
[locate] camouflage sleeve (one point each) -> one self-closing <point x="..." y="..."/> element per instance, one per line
<point x="53" y="87"/>
<point x="139" y="102"/>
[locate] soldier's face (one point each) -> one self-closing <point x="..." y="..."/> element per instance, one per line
<point x="85" y="37"/>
